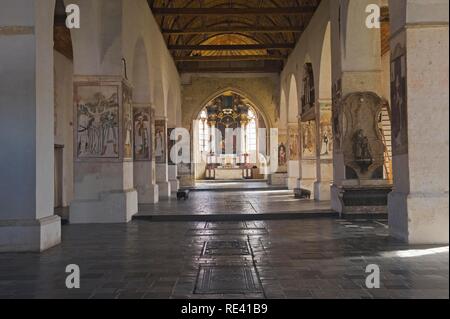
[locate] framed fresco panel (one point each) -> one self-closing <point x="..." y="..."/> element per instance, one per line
<point x="97" y="118"/>
<point x="127" y="122"/>
<point x="294" y="143"/>
<point x="309" y="140"/>
<point x="142" y="134"/>
<point x="160" y="141"/>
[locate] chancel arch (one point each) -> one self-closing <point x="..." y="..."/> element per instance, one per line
<point x="230" y="138"/>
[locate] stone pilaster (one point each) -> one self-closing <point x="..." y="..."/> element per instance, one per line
<point x="356" y="68"/>
<point x="173" y="167"/>
<point x="144" y="154"/>
<point x="27" y="222"/>
<point x="419" y="204"/>
<point x="161" y="156"/>
<point x="308" y="153"/>
<point x="322" y="190"/>
<point x="279" y="178"/>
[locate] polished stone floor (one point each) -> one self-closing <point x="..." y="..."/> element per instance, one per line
<point x="235" y="185"/>
<point x="253" y="203"/>
<point x="307" y="258"/>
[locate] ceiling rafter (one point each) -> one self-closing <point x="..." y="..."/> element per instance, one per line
<point x="283" y="11"/>
<point x="233" y="35"/>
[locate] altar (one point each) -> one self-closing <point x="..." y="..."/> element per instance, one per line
<point x="228" y="173"/>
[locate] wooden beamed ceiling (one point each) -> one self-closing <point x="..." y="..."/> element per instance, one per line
<point x="232" y="35"/>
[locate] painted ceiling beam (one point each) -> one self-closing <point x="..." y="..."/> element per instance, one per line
<point x="196" y="69"/>
<point x="231" y="47"/>
<point x="214" y="58"/>
<point x="274" y="29"/>
<point x="284" y="11"/>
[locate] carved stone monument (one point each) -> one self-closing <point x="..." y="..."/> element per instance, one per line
<point x="365" y="189"/>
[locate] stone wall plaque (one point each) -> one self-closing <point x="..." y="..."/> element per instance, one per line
<point x="227" y="280"/>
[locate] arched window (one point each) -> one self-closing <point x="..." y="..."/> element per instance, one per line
<point x="229" y="113"/>
<point x="251" y="132"/>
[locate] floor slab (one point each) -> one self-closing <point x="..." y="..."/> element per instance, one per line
<point x="309" y="258"/>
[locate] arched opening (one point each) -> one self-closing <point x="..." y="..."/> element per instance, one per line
<point x="63" y="59"/>
<point x="293" y="135"/>
<point x="228" y="139"/>
<point x="324" y="174"/>
<point x="308" y="128"/>
<point x="293" y="104"/>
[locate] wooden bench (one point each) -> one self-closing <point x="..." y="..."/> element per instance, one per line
<point x="183" y="194"/>
<point x="302" y="193"/>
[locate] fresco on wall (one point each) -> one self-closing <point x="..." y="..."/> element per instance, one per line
<point x="127" y="122"/>
<point x="293" y="143"/>
<point x="309" y="139"/>
<point x="399" y="105"/>
<point x="160" y="142"/>
<point x="142" y="134"/>
<point x="97" y="115"/>
<point x="282" y="154"/>
<point x="326" y="135"/>
<point x="337" y="119"/>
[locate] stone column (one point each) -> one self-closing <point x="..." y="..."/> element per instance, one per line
<point x="324" y="151"/>
<point x="212" y="135"/>
<point x="419" y="204"/>
<point x="27" y="222"/>
<point x="356" y="70"/>
<point x="173" y="168"/>
<point x="103" y="163"/>
<point x="144" y="154"/>
<point x="162" y="169"/>
<point x="243" y="137"/>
